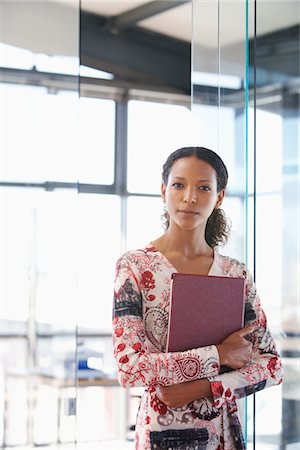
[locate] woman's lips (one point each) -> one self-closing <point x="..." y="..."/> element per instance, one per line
<point x="187" y="211"/>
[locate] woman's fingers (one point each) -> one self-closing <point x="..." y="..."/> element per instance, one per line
<point x="248" y="329"/>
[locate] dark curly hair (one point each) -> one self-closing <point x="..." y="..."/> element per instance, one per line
<point x="217" y="227"/>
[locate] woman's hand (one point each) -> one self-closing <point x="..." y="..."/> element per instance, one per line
<point x="236" y="351"/>
<point x="181" y="394"/>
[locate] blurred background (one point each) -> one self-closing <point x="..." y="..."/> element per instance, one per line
<point x="94" y="95"/>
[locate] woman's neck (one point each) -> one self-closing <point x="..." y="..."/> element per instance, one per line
<point x="188" y="243"/>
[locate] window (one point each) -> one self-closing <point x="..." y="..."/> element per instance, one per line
<point x="39" y="141"/>
<point x="154" y="131"/>
<point x="97" y="141"/>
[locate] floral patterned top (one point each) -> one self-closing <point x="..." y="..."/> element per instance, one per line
<point x="140" y="323"/>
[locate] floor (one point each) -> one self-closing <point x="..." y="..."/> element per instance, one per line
<point x="103" y="445"/>
<point x="123" y="445"/>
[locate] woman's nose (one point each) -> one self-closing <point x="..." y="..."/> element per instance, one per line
<point x="190" y="196"/>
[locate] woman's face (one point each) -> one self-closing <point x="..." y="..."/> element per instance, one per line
<point x="191" y="192"/>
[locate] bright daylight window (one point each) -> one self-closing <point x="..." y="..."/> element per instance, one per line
<point x="99" y="246"/>
<point x="97" y="141"/>
<point x="143" y="220"/>
<point x="35" y="146"/>
<point x="154" y="131"/>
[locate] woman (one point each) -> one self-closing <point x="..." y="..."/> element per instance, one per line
<point x="189" y="402"/>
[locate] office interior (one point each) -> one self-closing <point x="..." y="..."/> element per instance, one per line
<point x="94" y="95"/>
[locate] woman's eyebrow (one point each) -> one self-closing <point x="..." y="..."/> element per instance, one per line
<point x="200" y="179"/>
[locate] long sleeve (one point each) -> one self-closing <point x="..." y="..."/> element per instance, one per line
<point x="136" y="365"/>
<point x="265" y="369"/>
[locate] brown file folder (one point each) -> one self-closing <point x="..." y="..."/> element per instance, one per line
<point x="204" y="310"/>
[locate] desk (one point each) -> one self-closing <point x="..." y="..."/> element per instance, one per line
<point x="36" y="378"/>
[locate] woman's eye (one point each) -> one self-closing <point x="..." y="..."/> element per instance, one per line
<point x="204" y="188"/>
<point x="177" y="185"/>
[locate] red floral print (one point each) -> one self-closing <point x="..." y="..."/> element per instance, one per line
<point x="140" y="323"/>
<point x="137" y="346"/>
<point x="228" y="393"/>
<point x="272" y="366"/>
<point x="218" y="388"/>
<point x="158" y="405"/>
<point x="124" y="359"/>
<point x="121" y="347"/>
<point x="119" y="331"/>
<point x="147" y="280"/>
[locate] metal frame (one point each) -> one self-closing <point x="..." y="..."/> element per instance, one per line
<point x="150" y="9"/>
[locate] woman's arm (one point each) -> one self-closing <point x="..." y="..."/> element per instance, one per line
<point x="235" y="352"/>
<point x="265" y="368"/>
<point x="261" y="368"/>
<point x="135" y="365"/>
<point x="181" y="394"/>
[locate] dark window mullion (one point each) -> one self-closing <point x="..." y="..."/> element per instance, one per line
<point x="121" y="146"/>
<point x="50" y="186"/>
<point x="121" y="163"/>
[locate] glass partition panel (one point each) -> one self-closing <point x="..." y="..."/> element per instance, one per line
<point x="218" y="100"/>
<point x="274" y="87"/>
<point x="39" y="110"/>
<point x="219" y="93"/>
<point x="260" y="144"/>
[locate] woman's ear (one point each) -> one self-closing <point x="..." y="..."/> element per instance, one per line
<point x="221" y="195"/>
<point x="163" y="191"/>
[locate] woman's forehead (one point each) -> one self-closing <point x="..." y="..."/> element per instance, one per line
<point x="192" y="166"/>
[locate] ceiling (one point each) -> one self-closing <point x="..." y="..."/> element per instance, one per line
<point x="177" y="21"/>
<point x="150" y="41"/>
<point x="173" y="19"/>
<point x="147" y="44"/>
